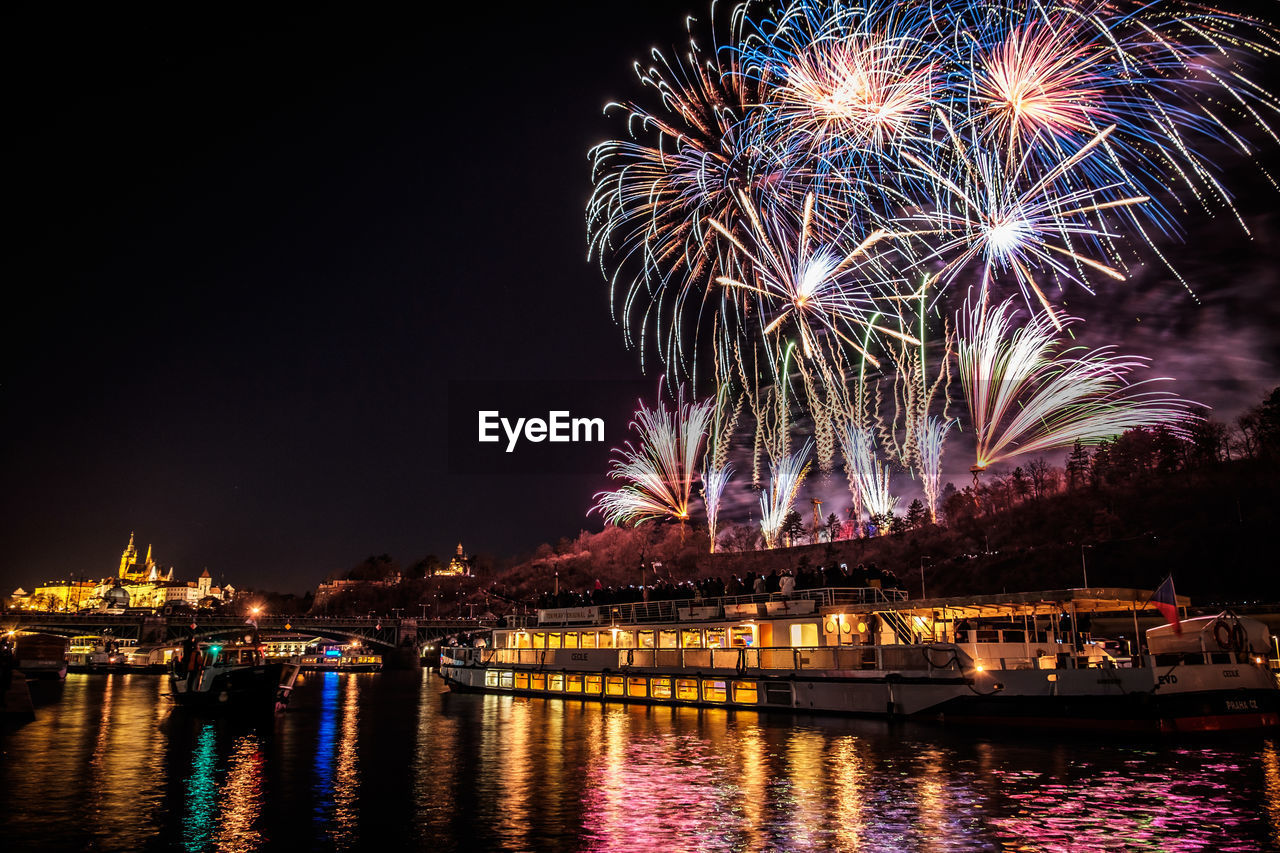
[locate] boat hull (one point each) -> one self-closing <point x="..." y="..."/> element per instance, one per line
<point x="1134" y="700"/>
<point x="255" y="689"/>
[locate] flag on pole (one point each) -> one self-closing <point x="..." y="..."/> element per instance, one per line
<point x="1167" y="603"/>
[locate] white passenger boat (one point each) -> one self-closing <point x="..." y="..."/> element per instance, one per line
<point x="1014" y="659"/>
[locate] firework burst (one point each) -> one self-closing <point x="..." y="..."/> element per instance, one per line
<point x="785" y="477"/>
<point x="660" y="472"/>
<point x="1026" y="394"/>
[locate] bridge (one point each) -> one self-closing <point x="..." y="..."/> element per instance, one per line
<point x="164" y="629"/>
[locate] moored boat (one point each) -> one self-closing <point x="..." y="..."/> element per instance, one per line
<point x="216" y="678"/>
<point x="40" y="656"/>
<point x="1025" y="659"/>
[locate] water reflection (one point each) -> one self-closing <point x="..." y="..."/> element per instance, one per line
<point x="337" y="760"/>
<point x="242" y="797"/>
<point x="110" y="766"/>
<point x="202" y="791"/>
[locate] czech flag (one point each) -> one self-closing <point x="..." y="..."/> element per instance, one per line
<point x="1167" y="603"/>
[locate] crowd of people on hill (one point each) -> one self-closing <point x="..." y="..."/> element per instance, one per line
<point x="783" y="583"/>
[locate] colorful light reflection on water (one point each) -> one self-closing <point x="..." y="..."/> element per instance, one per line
<point x="391" y="761"/>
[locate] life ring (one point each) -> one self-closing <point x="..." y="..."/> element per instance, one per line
<point x="1229" y="636"/>
<point x="830" y="626"/>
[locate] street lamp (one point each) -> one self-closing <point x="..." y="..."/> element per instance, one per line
<point x="1084" y="568"/>
<point x="922" y="559"/>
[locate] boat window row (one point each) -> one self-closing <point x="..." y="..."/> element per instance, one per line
<point x="627" y="686"/>
<point x="745" y="635"/>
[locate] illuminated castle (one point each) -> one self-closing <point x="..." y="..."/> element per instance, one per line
<point x="131" y="571"/>
<point x="459" y="565"/>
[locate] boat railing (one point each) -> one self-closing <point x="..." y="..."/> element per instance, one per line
<point x="704" y="609"/>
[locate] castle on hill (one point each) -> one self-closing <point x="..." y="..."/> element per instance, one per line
<point x="136" y="583"/>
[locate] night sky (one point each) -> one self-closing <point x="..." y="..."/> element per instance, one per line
<point x="248" y="256"/>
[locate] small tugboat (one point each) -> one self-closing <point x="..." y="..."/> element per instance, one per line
<point x="215" y="678"/>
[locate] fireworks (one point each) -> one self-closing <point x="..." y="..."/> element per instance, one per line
<point x="717" y="471"/>
<point x="785" y="477"/>
<point x="931" y="436"/>
<point x="870" y="474"/>
<point x="789" y="177"/>
<point x="1025" y="394"/>
<point x="818" y="288"/>
<point x="660" y="472"/>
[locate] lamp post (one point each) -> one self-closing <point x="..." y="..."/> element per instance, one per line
<point x="922" y="559"/>
<point x="1084" y="567"/>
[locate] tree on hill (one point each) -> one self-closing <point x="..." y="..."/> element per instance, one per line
<point x="380" y="568"/>
<point x="916" y="514"/>
<point x="1077" y="466"/>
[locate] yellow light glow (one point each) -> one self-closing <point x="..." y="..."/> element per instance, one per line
<point x="979" y="667"/>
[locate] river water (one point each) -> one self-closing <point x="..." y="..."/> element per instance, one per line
<point x="392" y="761"/>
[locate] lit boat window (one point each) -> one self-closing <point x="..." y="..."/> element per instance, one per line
<point x="539" y="639"/>
<point x="637" y="686"/>
<point x="660" y="688"/>
<point x="591" y="684"/>
<point x="646" y="640"/>
<point x="668" y="638"/>
<point x="804" y="635"/>
<point x="553" y="641"/>
<point x="691" y="638"/>
<point x="745" y="692"/>
<point x="573" y="684"/>
<point x="615" y="685"/>
<point x="716" y="638"/>
<point x="571" y="639"/>
<point x="713" y="691"/>
<point x="537" y="681"/>
<point x="687" y="689"/>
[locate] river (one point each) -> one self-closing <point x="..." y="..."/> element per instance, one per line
<point x="392" y="761"/>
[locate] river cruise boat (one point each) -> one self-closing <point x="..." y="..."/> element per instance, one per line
<point x="231" y="678"/>
<point x="1024" y="659"/>
<point x="341" y="659"/>
<point x="99" y="654"/>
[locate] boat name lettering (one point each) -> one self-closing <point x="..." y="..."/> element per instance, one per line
<point x="1231" y="673"/>
<point x="1242" y="704"/>
<point x="579" y="656"/>
<point x="1168" y="679"/>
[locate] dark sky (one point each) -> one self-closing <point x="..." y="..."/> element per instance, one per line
<point x="248" y="254"/>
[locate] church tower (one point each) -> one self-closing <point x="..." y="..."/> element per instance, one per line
<point x="129" y="557"/>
